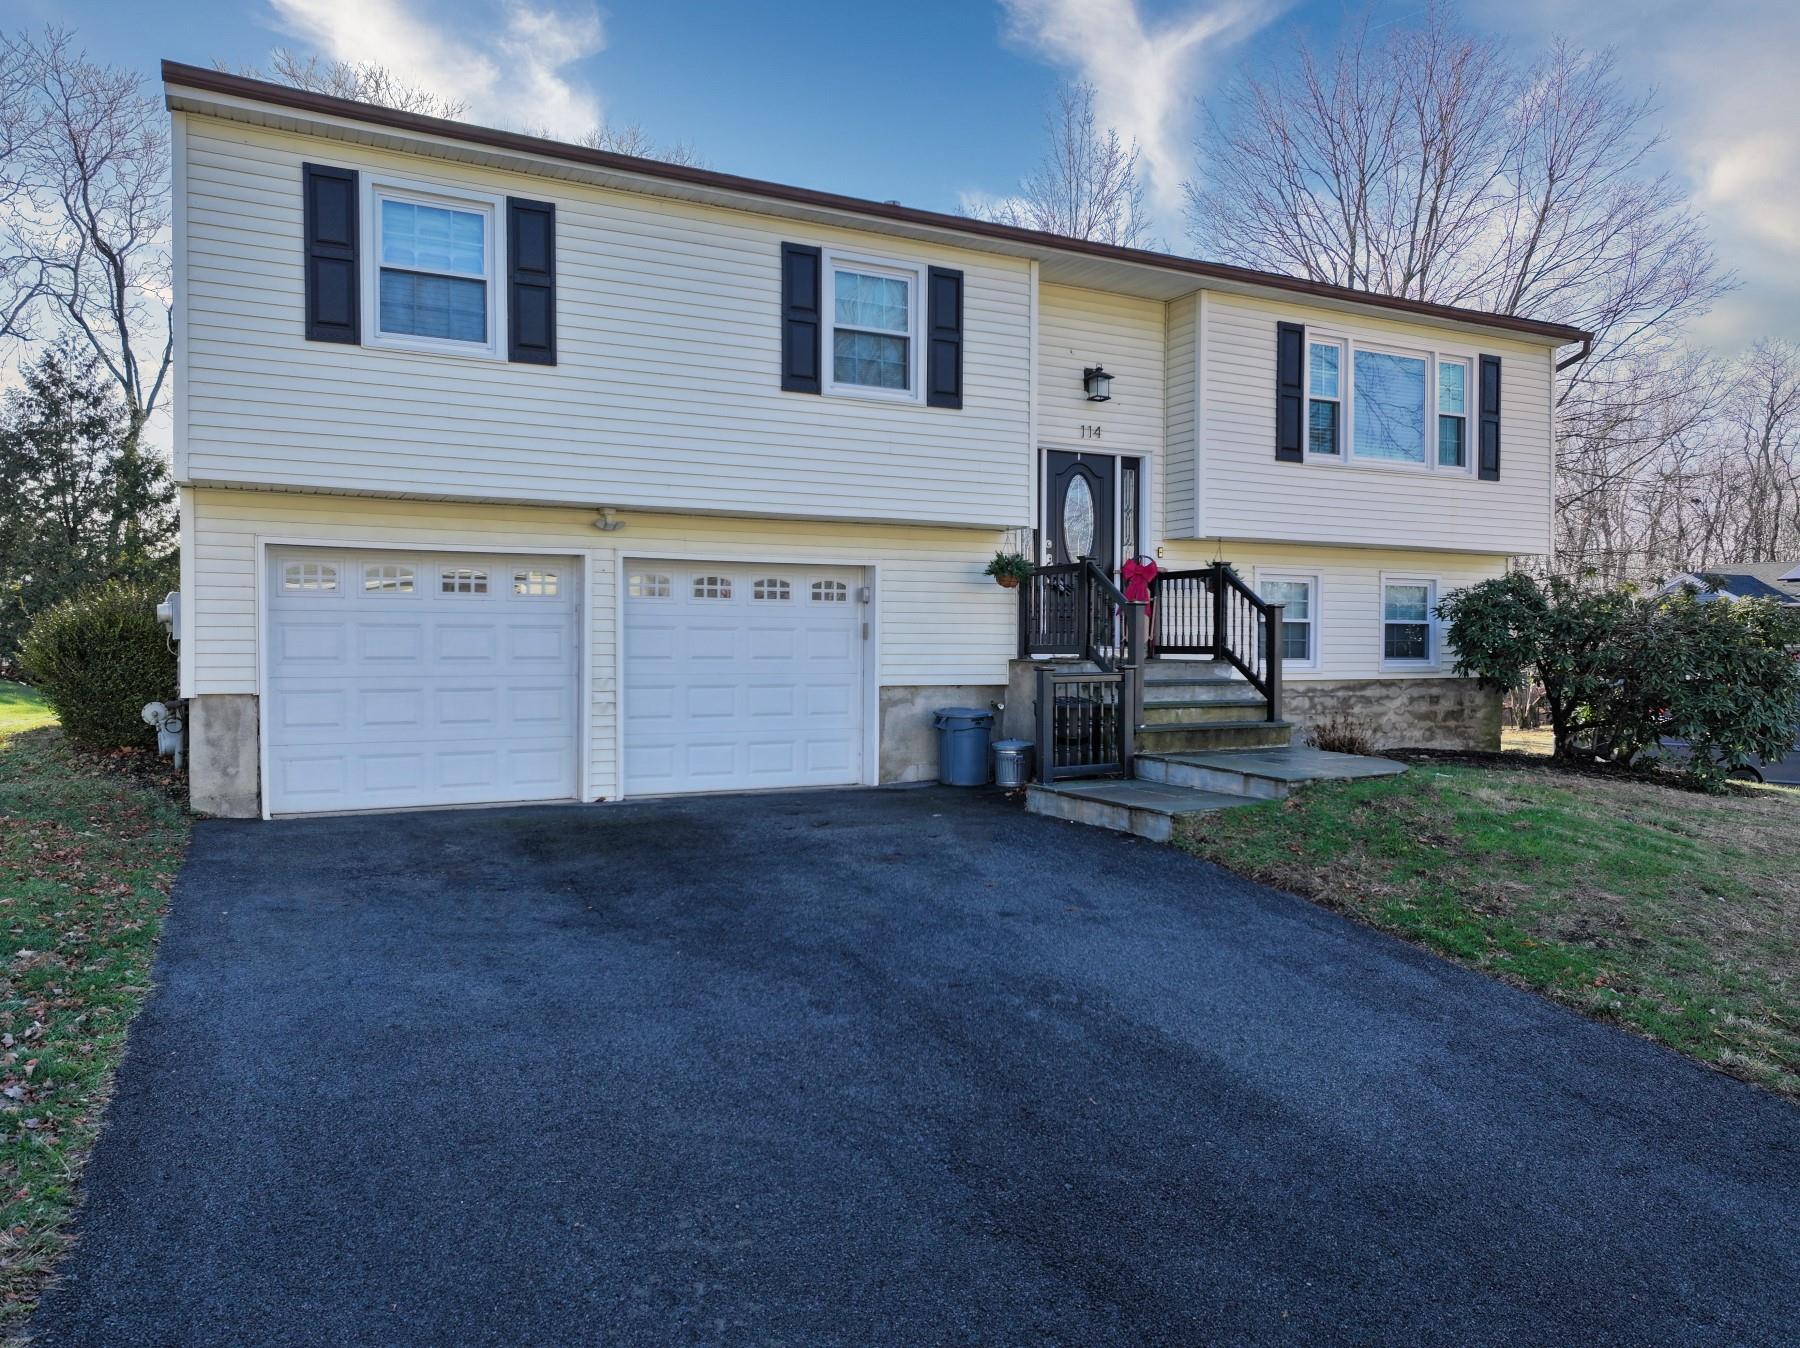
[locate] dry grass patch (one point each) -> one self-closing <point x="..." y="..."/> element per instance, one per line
<point x="1674" y="913"/>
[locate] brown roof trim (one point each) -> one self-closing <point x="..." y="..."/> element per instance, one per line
<point x="281" y="95"/>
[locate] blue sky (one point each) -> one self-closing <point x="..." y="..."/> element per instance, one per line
<point x="936" y="101"/>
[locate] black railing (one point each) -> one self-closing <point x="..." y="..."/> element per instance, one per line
<point x="1086" y="723"/>
<point x="1076" y="611"/>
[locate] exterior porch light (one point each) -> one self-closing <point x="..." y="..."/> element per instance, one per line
<point x="1098" y="384"/>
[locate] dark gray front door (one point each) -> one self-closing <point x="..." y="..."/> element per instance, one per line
<point x="1078" y="507"/>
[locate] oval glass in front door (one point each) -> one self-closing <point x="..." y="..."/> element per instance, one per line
<point x="1078" y="518"/>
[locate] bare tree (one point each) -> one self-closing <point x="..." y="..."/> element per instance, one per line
<point x="633" y="140"/>
<point x="359" y="81"/>
<point x="1087" y="185"/>
<point x="1432" y="166"/>
<point x="84" y="236"/>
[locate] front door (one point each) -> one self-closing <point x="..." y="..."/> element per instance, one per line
<point x="1079" y="508"/>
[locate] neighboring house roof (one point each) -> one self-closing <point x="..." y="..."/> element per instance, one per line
<point x="1779" y="581"/>
<point x="725" y="188"/>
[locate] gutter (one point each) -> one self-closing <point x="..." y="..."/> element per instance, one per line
<point x="1587" y="349"/>
<point x="182" y="76"/>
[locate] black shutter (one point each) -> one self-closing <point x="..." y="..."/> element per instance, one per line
<point x="1290" y="392"/>
<point x="1488" y="458"/>
<point x="800" y="318"/>
<point x="331" y="209"/>
<point x="944" y="339"/>
<point x="531" y="281"/>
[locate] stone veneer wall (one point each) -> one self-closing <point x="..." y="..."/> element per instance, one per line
<point x="1400" y="713"/>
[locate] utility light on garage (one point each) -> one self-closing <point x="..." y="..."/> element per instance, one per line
<point x="608" y="521"/>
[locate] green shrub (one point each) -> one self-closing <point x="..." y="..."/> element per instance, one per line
<point x="1622" y="672"/>
<point x="1515" y="630"/>
<point x="98" y="658"/>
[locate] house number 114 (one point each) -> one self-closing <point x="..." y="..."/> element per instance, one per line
<point x="1090" y="432"/>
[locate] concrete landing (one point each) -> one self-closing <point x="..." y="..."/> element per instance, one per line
<point x="1146" y="809"/>
<point x="1267" y="774"/>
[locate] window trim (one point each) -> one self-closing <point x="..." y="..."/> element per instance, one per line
<point x="379" y="188"/>
<point x="914" y="275"/>
<point x="1315" y="588"/>
<point x="1433" y="629"/>
<point x="1349" y="344"/>
<point x="1343" y="421"/>
<point x="1437" y="423"/>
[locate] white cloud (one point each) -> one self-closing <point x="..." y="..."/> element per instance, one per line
<point x="1730" y="108"/>
<point x="509" y="72"/>
<point x="1145" y="74"/>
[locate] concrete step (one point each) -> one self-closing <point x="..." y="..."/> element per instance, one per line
<point x="1191" y="736"/>
<point x="1145" y="809"/>
<point x="1265" y="774"/>
<point x="1188" y="710"/>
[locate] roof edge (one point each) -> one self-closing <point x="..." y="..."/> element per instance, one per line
<point x="185" y="76"/>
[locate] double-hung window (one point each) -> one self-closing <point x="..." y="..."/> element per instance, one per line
<point x="435" y="286"/>
<point x="874" y="330"/>
<point x="1453" y="413"/>
<point x="1298" y="596"/>
<point x="1408" y="634"/>
<point x="1325" y="397"/>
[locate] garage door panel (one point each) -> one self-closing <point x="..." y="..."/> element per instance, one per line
<point x="761" y="689"/>
<point x="391" y="698"/>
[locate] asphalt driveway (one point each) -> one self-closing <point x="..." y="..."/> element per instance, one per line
<point x="897" y="1067"/>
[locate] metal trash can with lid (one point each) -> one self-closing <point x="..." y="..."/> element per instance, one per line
<point x="1012" y="763"/>
<point x="963" y="745"/>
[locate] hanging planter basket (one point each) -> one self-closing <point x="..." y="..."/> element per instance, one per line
<point x="1009" y="568"/>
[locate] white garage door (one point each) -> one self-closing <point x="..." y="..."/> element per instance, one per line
<point x="742" y="676"/>
<point x="405" y="679"/>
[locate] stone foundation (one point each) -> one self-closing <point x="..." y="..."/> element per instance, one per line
<point x="908" y="737"/>
<point x="223" y="777"/>
<point x="1399" y="713"/>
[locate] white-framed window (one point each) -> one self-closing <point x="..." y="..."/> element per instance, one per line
<point x="388" y="578"/>
<point x="830" y="592"/>
<point x="1455" y="379"/>
<point x="1299" y="594"/>
<point x="771" y="589"/>
<point x="536" y="582"/>
<point x="712" y="587"/>
<point x="1324" y="397"/>
<point x="1376" y="405"/>
<point x="1409" y="633"/>
<point x="309" y="577"/>
<point x="432" y="279"/>
<point x="462" y="580"/>
<point x="649" y="585"/>
<point x="872" y="346"/>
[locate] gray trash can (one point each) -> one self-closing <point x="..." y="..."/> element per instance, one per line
<point x="963" y="745"/>
<point x="1012" y="763"/>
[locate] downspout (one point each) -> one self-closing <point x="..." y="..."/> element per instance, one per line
<point x="1587" y="349"/>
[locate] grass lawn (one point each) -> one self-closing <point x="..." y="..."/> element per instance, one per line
<point x="87" y="853"/>
<point x="1672" y="913"/>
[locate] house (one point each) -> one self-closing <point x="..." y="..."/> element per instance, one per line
<point x="1779" y="581"/>
<point x="513" y="470"/>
